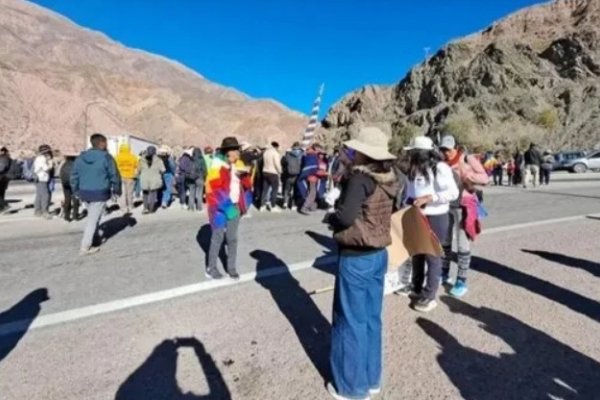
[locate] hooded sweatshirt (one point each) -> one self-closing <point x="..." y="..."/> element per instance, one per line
<point x="127" y="162"/>
<point x="272" y="162"/>
<point x="95" y="176"/>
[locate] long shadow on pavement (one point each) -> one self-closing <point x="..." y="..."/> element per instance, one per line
<point x="572" y="300"/>
<point x="15" y="322"/>
<point x="311" y="327"/>
<point x="156" y="378"/>
<point x="540" y="368"/>
<point x="589" y="266"/>
<point x="114" y="226"/>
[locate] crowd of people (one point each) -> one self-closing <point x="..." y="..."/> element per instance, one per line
<point x="531" y="167"/>
<point x="361" y="184"/>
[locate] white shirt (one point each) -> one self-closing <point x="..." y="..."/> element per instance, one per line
<point x="442" y="188"/>
<point x="234" y="188"/>
<point x="42" y="167"/>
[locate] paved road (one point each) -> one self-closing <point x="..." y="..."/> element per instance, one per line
<point x="531" y="316"/>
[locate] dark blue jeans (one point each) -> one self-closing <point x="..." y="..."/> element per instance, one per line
<point x="356" y="332"/>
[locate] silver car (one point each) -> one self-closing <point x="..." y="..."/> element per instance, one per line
<point x="578" y="162"/>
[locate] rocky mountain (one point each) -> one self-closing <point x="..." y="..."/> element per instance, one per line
<point x="533" y="76"/>
<point x="55" y="75"/>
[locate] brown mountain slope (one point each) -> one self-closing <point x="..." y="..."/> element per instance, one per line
<point x="52" y="70"/>
<point x="532" y="76"/>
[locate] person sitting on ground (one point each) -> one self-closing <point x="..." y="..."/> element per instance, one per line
<point x="5" y="168"/>
<point x="361" y="224"/>
<point x="150" y="172"/>
<point x="43" y="170"/>
<point x="228" y="196"/>
<point x="470" y="173"/>
<point x="127" y="163"/>
<point x="71" y="202"/>
<point x="94" y="180"/>
<point x="430" y="187"/>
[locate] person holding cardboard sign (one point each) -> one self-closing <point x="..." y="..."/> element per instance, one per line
<point x="431" y="188"/>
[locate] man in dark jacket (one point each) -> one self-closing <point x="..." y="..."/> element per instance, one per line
<point x="71" y="203"/>
<point x="94" y="179"/>
<point x="5" y="169"/>
<point x="533" y="161"/>
<point x="292" y="166"/>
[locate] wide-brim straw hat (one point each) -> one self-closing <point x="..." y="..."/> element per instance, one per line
<point x="373" y="143"/>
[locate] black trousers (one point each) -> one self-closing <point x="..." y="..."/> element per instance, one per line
<point x="498" y="176"/>
<point x="3" y="186"/>
<point x="428" y="289"/>
<point x="71" y="204"/>
<point x="270" y="181"/>
<point x="289" y="190"/>
<point x="544" y="176"/>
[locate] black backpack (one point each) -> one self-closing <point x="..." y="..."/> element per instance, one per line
<point x="293" y="165"/>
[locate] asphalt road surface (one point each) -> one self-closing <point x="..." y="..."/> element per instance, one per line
<point x="139" y="321"/>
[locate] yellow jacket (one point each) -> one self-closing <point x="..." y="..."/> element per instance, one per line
<point x="127" y="162"/>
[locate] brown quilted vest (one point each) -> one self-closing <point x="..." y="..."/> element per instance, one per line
<point x="372" y="228"/>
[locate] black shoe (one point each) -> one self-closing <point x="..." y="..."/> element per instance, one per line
<point x="234" y="275"/>
<point x="213" y="274"/>
<point x="303" y="211"/>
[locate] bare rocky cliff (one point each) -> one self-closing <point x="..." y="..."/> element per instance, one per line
<point x="533" y="76"/>
<point x="53" y="73"/>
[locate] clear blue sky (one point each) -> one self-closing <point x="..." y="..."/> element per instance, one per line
<point x="283" y="49"/>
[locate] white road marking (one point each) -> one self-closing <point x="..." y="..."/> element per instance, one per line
<point x="149" y="298"/>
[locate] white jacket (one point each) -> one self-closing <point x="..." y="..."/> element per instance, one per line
<point x="42" y="167"/>
<point x="272" y="161"/>
<point x="442" y="188"/>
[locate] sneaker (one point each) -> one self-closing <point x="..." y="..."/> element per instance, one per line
<point x="210" y="274"/>
<point x="47" y="216"/>
<point x="459" y="289"/>
<point x="446" y="280"/>
<point x="145" y="212"/>
<point x="333" y="392"/>
<point x="425" y="305"/>
<point x="304" y="212"/>
<point x="406" y="291"/>
<point x="235" y="276"/>
<point x="375" y="391"/>
<point x="275" y="210"/>
<point x="89" y="252"/>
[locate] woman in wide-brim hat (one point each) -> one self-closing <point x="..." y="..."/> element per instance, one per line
<point x="228" y="196"/>
<point x="361" y="225"/>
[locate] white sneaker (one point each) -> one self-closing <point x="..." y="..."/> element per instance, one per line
<point x="336" y="396"/>
<point x="425" y="305"/>
<point x="89" y="252"/>
<point x="276" y="210"/>
<point x="375" y="391"/>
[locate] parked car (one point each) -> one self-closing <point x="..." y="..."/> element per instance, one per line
<point x="577" y="161"/>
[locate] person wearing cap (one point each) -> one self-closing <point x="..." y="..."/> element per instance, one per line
<point x="71" y="202"/>
<point x="469" y="173"/>
<point x="6" y="165"/>
<point x="271" y="177"/>
<point x="43" y="170"/>
<point x="94" y="179"/>
<point x="361" y="226"/>
<point x="127" y="163"/>
<point x="150" y="170"/>
<point x="228" y="196"/>
<point x="431" y="188"/>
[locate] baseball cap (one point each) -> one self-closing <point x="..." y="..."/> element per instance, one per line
<point x="448" y="142"/>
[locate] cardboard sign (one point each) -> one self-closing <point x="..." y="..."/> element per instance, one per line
<point x="411" y="235"/>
